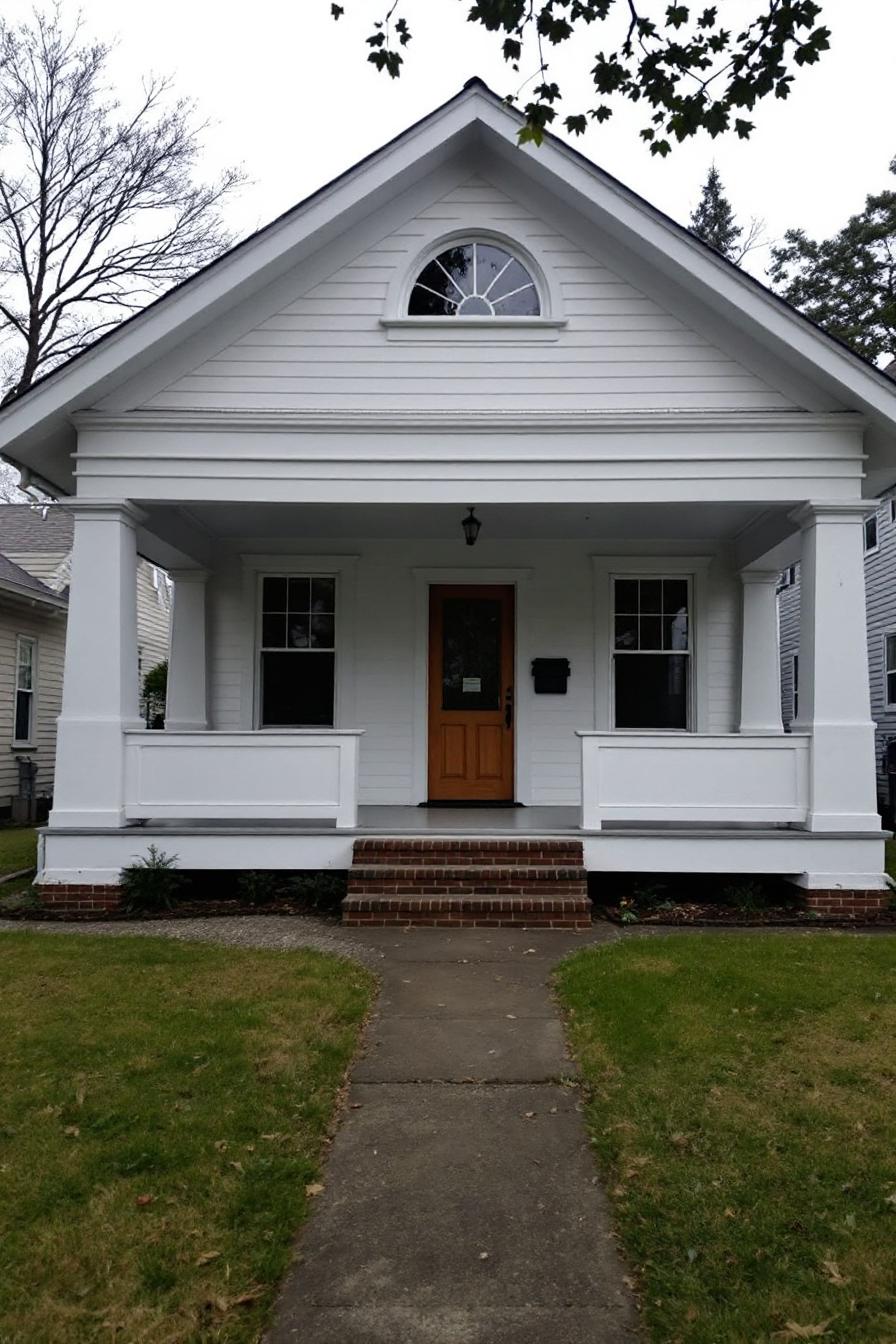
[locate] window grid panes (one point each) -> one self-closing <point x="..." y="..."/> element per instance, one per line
<point x="474" y="280"/>
<point x="871" y="533"/>
<point x="651" y="653"/>
<point x="890" y="669"/>
<point x="23" y="726"/>
<point x="298" y="650"/>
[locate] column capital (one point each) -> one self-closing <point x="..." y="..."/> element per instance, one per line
<point x="846" y="511"/>
<point x="115" y="510"/>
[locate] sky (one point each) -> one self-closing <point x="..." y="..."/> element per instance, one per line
<point x="288" y="94"/>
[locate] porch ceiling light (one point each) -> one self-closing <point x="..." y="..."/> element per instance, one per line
<point x="471" y="526"/>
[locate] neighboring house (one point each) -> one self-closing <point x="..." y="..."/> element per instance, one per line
<point x="647" y="437"/>
<point x="879" y="546"/>
<point x="35" y="569"/>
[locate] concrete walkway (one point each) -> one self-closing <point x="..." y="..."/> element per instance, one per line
<point x="461" y="1204"/>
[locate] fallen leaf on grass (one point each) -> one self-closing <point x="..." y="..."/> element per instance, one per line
<point x="237" y="1166"/>
<point x="225" y="1304"/>
<point x="72" y="1131"/>
<point x="207" y="1257"/>
<point x="142" y="1200"/>
<point x="221" y="1145"/>
<point x="832" y="1273"/>
<point x="313" y="1190"/>
<point x="794" y="1331"/>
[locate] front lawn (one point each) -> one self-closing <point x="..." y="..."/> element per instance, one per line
<point x="741" y="1097"/>
<point x="163" y="1107"/>
<point x="18" y="848"/>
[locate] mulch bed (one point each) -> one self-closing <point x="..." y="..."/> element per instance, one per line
<point x="705" y="914"/>
<point x="182" y="910"/>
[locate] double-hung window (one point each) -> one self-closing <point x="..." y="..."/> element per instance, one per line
<point x="23" y="710"/>
<point x="871" y="533"/>
<point x="890" y="670"/>
<point x="297" y="658"/>
<point x="651" y="653"/>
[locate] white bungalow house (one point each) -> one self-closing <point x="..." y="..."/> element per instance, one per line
<point x="647" y="437"/>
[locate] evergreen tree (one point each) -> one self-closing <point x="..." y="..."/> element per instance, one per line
<point x="846" y="283"/>
<point x="713" y="220"/>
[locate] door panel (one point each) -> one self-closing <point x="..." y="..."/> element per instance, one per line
<point x="471" y="659"/>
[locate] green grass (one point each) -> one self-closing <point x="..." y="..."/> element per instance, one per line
<point x="162" y="1108"/>
<point x="18" y="848"/>
<point x="741" y="1098"/>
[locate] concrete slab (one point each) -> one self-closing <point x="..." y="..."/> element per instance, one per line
<point x="464" y="1049"/>
<point x="454" y="1215"/>
<point x="440" y="989"/>
<point x="467" y="946"/>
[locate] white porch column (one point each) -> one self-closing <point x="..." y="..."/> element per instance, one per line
<point x="186" y="702"/>
<point x="100" y="690"/>
<point x="760" y="680"/>
<point x="834" y="703"/>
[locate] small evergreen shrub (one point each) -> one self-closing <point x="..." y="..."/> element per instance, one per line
<point x="259" y="888"/>
<point x="748" y="898"/>
<point x="321" y="891"/>
<point x="151" y="883"/>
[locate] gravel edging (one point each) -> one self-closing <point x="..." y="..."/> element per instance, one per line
<point x="258" y="931"/>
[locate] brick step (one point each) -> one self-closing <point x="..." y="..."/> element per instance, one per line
<point x="468" y="874"/>
<point x="441" y="852"/>
<point x="471" y="910"/>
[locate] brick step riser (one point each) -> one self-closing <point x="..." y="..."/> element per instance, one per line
<point x="515" y="872"/>
<point x="511" y="891"/>
<point x="370" y="850"/>
<point x="453" y="905"/>
<point x="448" y="858"/>
<point x="513" y="920"/>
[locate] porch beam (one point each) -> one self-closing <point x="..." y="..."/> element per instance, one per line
<point x="834" y="703"/>
<point x="760" y="680"/>
<point x="186" y="708"/>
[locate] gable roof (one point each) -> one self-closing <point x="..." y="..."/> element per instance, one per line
<point x="17" y="582"/>
<point x="35" y="529"/>
<point x="35" y="429"/>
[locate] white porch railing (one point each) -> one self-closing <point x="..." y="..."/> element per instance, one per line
<point x="667" y="777"/>
<point x="295" y="775"/>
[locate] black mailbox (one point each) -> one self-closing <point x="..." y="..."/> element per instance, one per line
<point x="550" y="675"/>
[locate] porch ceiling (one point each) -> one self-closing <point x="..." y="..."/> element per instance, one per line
<point x="601" y="522"/>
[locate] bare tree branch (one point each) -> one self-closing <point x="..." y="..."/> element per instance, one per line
<point x="100" y="209"/>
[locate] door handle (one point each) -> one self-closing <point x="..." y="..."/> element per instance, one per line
<point x="508" y="707"/>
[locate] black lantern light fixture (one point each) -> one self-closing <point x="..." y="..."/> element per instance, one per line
<point x="471" y="526"/>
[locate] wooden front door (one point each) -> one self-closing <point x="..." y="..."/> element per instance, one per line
<point x="471" y="694"/>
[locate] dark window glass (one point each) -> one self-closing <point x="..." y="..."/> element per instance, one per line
<point x="651" y="632"/>
<point x="23" y="716"/>
<point x="627" y="595"/>
<point x="652" y="691"/>
<point x="471" y="653"/>
<point x="871" y="532"/>
<point x="474" y="280"/>
<point x="274" y="595"/>
<point x="323" y="595"/>
<point x="273" y="632"/>
<point x="297" y="690"/>
<point x="626" y="632"/>
<point x="297" y="631"/>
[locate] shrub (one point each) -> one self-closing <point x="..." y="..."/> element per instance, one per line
<point x="151" y="883"/>
<point x="319" y="890"/>
<point x="259" y="888"/>
<point x="746" y="897"/>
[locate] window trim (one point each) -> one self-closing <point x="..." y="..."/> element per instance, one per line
<point x="29" y="741"/>
<point x="341" y="567"/>
<point x="889" y="633"/>
<point x="615" y="577"/>
<point x="866" y="549"/>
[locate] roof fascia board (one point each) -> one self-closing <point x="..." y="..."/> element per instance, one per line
<point x="32" y="595"/>
<point x="372" y="182"/>
<point x="317" y="265"/>
<point x="723" y="286"/>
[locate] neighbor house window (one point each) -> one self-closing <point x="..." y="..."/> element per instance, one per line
<point x="871" y="533"/>
<point x="474" y="280"/>
<point x="890" y="670"/>
<point x="787" y="579"/>
<point x="298" y="651"/>
<point x="795" y="686"/>
<point x="651" y="653"/>
<point x="893" y="510"/>
<point x="23" y="713"/>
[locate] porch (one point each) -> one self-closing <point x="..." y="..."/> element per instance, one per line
<point x="662" y="751"/>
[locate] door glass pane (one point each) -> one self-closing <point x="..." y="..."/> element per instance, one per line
<point x="652" y="691"/>
<point x="471" y="653"/>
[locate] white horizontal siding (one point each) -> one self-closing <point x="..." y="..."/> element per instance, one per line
<point x="555" y="619"/>
<point x="326" y="348"/>
<point x="50" y="635"/>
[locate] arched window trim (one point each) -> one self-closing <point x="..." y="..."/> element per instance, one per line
<point x="464" y="287"/>
<point x="399" y="325"/>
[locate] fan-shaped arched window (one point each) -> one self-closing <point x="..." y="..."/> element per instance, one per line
<point x="474" y="280"/>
